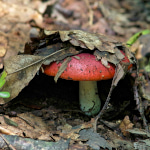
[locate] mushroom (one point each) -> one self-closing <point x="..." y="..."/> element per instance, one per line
<point x="87" y="70"/>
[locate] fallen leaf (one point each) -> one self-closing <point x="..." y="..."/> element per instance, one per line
<point x="139" y="132"/>
<point x="72" y="132"/>
<point x="105" y="62"/>
<point x="119" y="74"/>
<point x="124" y="125"/>
<point x="10" y="122"/>
<point x="142" y="144"/>
<point x="93" y="139"/>
<point x="62" y="68"/>
<point x="19" y="73"/>
<point x="86" y="40"/>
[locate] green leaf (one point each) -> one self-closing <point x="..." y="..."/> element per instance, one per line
<point x="2" y="78"/>
<point x="2" y="82"/>
<point x="3" y="75"/>
<point x="4" y="94"/>
<point x="136" y="36"/>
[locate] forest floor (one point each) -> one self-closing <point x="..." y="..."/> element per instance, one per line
<point x="47" y="115"/>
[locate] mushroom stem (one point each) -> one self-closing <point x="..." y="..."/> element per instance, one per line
<point x="88" y="96"/>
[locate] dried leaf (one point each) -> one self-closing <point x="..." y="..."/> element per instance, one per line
<point x="112" y="58"/>
<point x="17" y="80"/>
<point x="86" y="40"/>
<point x="105" y="62"/>
<point x="119" y="74"/>
<point x="94" y="140"/>
<point x="59" y="55"/>
<point x="139" y="132"/>
<point x="10" y="122"/>
<point x="73" y="132"/>
<point x="125" y="124"/>
<point x="62" y="68"/>
<point x="142" y="144"/>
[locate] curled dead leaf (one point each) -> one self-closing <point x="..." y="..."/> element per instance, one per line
<point x="105" y="62"/>
<point x="125" y="124"/>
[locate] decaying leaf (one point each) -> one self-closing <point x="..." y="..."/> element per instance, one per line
<point x="72" y="132"/>
<point x="142" y="144"/>
<point x="125" y="124"/>
<point x="83" y="133"/>
<point x="10" y="122"/>
<point x="94" y="140"/>
<point x="105" y="62"/>
<point x="17" y="80"/>
<point x="139" y="132"/>
<point x="118" y="75"/>
<point x="62" y="68"/>
<point x="86" y="40"/>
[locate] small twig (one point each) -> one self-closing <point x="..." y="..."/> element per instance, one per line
<point x="140" y="108"/>
<point x="104" y="107"/>
<point x="109" y="125"/>
<point x="9" y="145"/>
<point x="26" y="122"/>
<point x="119" y="74"/>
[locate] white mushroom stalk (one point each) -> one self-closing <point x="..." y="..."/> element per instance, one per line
<point x="88" y="97"/>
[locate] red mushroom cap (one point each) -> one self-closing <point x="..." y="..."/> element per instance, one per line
<point x="87" y="68"/>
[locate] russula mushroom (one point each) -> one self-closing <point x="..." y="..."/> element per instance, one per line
<point x="87" y="70"/>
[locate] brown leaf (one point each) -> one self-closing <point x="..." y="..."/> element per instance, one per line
<point x="73" y="132"/>
<point x="17" y="80"/>
<point x="125" y="124"/>
<point x="119" y="74"/>
<point x="105" y="62"/>
<point x="86" y="40"/>
<point x="112" y="58"/>
<point x="62" y="68"/>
